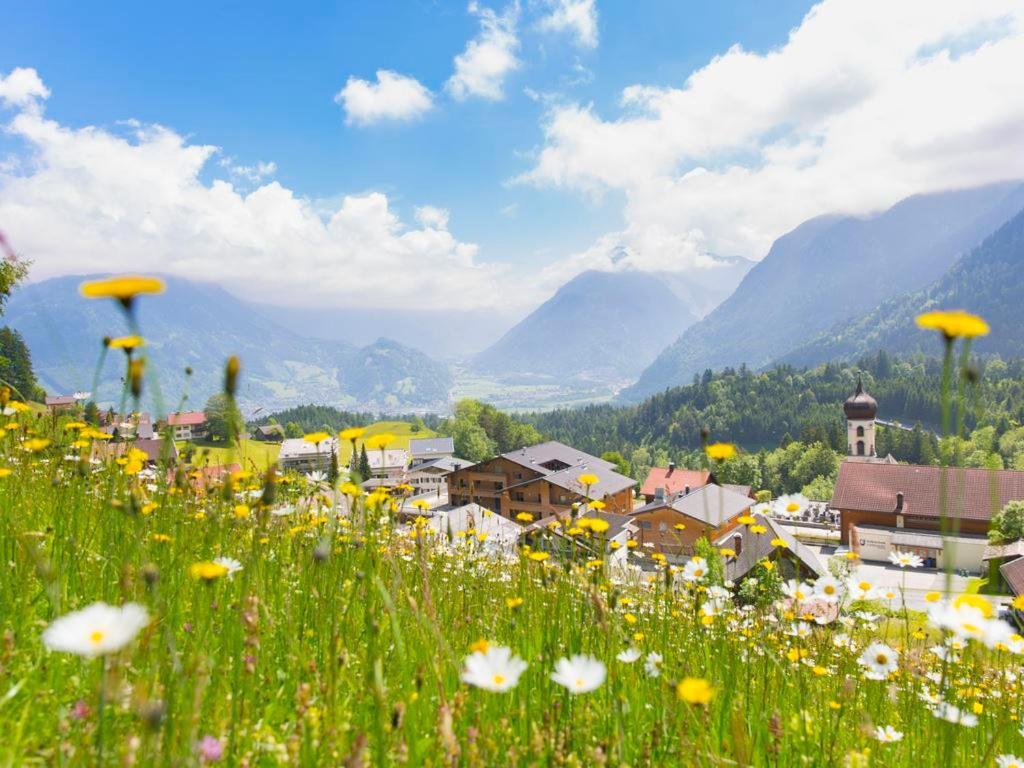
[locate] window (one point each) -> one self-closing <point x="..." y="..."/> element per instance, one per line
<point x="860" y="431"/>
<point x="663" y="527"/>
<point x="645" y="523"/>
<point x="860" y="447"/>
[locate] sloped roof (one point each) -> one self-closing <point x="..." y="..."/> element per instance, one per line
<point x="535" y="456"/>
<point x="442" y="464"/>
<point x="974" y="494"/>
<point x="59" y="400"/>
<point x="998" y="551"/>
<point x="1013" y="572"/>
<point x="296" y="447"/>
<point x="428" y="446"/>
<point x="713" y="505"/>
<point x="189" y="418"/>
<point x="616" y="524"/>
<point x="673" y="480"/>
<point x="755" y="547"/>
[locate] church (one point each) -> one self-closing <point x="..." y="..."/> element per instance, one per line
<point x="942" y="514"/>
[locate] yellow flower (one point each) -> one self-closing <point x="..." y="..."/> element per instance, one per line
<point x="161" y="538"/>
<point x="75" y="425"/>
<point x="953" y="323"/>
<point x="695" y="690"/>
<point x="421" y="504"/>
<point x="350" y="489"/>
<point x="124" y="288"/>
<point x="758" y="529"/>
<point x="127" y="343"/>
<point x="588" y="479"/>
<point x="852" y="556"/>
<point x="379" y="442"/>
<point x="539" y="557"/>
<point x="149" y="508"/>
<point x="513" y="602"/>
<point x="207" y="571"/>
<point x="720" y="451"/>
<point x="36" y="444"/>
<point x="767" y="564"/>
<point x="780" y="543"/>
<point x="5" y="471"/>
<point x="596" y="504"/>
<point x="241" y="511"/>
<point x="352" y="433"/>
<point x="1017" y="604"/>
<point x="18" y="406"/>
<point x="726" y="552"/>
<point x="745" y="520"/>
<point x="629" y="618"/>
<point x="316" y="437"/>
<point x="524" y="517"/>
<point x="933" y="597"/>
<point x="680" y="526"/>
<point x="592" y="523"/>
<point x="480" y="646"/>
<point x="974" y="601"/>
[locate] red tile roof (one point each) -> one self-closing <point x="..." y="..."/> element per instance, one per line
<point x="973" y="494"/>
<point x="190" y="418"/>
<point x="1013" y="572"/>
<point x="674" y="480"/>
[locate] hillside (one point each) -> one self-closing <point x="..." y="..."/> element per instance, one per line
<point x="599" y="325"/>
<point x="197" y="325"/>
<point x="987" y="281"/>
<point x="828" y="270"/>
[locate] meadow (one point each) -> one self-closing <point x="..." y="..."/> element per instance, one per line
<point x="276" y="620"/>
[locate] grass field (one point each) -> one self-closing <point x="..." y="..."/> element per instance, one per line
<point x="402" y="430"/>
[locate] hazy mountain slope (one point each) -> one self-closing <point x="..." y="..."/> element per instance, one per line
<point x="605" y="325"/>
<point x="704" y="288"/>
<point x="198" y="326"/>
<point x="828" y="270"/>
<point x="988" y="281"/>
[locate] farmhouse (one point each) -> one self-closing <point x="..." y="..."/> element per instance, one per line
<point x="541" y="480"/>
<point x="271" y="433"/>
<point x="190" y="425"/>
<point x="672" y="525"/>
<point x="60" y="402"/>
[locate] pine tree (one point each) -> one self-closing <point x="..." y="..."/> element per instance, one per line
<point x="364" y="464"/>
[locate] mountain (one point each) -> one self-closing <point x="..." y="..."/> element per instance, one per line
<point x="197" y="326"/>
<point x="704" y="287"/>
<point x="599" y="325"/>
<point x="829" y="270"/>
<point x="988" y="281"/>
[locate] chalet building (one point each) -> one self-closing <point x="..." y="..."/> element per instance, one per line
<point x="190" y="425"/>
<point x="422" y="449"/>
<point x="795" y="561"/>
<point x="432" y="476"/>
<point x="666" y="482"/>
<point x="57" y="403"/>
<point x="540" y="480"/>
<point x="549" y="535"/>
<point x="672" y="525"/>
<point x="388" y="465"/>
<point x="269" y="433"/>
<point x="299" y="455"/>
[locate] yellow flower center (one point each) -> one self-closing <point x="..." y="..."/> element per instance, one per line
<point x="96" y="637"/>
<point x="499" y="679"/>
<point x="881" y="659"/>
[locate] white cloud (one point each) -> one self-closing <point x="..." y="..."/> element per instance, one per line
<point x="392" y="97"/>
<point x="21" y="87"/>
<point x="867" y="102"/>
<point x="253" y="174"/>
<point x="576" y="16"/>
<point x="89" y="200"/>
<point x="481" y="69"/>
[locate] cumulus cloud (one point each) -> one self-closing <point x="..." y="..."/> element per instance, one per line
<point x="481" y="69"/>
<point x="21" y="87"/>
<point x="392" y="97"/>
<point x="578" y="17"/>
<point x="94" y="200"/>
<point x="867" y="102"/>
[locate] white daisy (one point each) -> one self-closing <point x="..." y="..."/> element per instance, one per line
<point x="796" y="590"/>
<point x="953" y="714"/>
<point x="495" y="669"/>
<point x="887" y="734"/>
<point x="652" y="665"/>
<point x="695" y="570"/>
<point x="629" y="655"/>
<point x="879" y="661"/>
<point x="905" y="559"/>
<point x="232" y="565"/>
<point x="96" y="630"/>
<point x="580" y="674"/>
<point x="828" y="589"/>
<point x="1009" y="761"/>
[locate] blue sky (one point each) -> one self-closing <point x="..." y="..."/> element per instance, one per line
<point x="258" y="81"/>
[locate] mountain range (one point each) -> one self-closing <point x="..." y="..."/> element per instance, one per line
<point x="600" y="325"/>
<point x="829" y="271"/>
<point x="198" y="326"/>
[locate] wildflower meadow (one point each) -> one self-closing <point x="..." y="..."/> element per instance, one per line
<point x="272" y="619"/>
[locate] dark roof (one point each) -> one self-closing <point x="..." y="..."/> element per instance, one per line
<point x="535" y="456"/>
<point x="1013" y="572"/>
<point x="755" y="547"/>
<point x="446" y="463"/>
<point x="59" y="400"/>
<point x="673" y="480"/>
<point x="270" y="429"/>
<point x="860" y="405"/>
<point x="713" y="505"/>
<point x="609" y="481"/>
<point x="974" y="494"/>
<point x="426" y="446"/>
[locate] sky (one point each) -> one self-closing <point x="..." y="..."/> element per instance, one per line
<point x="439" y="154"/>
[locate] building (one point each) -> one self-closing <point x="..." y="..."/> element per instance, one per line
<point x="60" y="402"/>
<point x="886" y="508"/>
<point x="270" y="433"/>
<point x="432" y="476"/>
<point x="795" y="561"/>
<point x="672" y="525"/>
<point x="540" y="480"/>
<point x="664" y="482"/>
<point x="299" y="455"/>
<point x="423" y="449"/>
<point x="549" y="534"/>
<point x="456" y="525"/>
<point x="860" y="410"/>
<point x="156" y="449"/>
<point x="389" y="464"/>
<point x="190" y="425"/>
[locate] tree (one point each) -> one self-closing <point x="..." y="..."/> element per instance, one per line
<point x="92" y="414"/>
<point x="820" y="488"/>
<point x="16" y="365"/>
<point x="292" y="430"/>
<point x="223" y="419"/>
<point x="364" y="464"/>
<point x="616" y="458"/>
<point x="1008" y="524"/>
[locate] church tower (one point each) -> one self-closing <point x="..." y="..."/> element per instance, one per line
<point x="860" y="410"/>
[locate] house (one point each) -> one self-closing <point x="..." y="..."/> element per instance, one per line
<point x="190" y="425"/>
<point x="156" y="449"/>
<point x="499" y="536"/>
<point x="423" y="449"/>
<point x="299" y="455"/>
<point x="132" y="425"/>
<point x="432" y="476"/>
<point x="886" y="508"/>
<point x="1012" y="575"/>
<point x="389" y="464"/>
<point x="796" y="560"/>
<point x="57" y="403"/>
<point x="662" y="482"/>
<point x="672" y="525"/>
<point x="271" y="433"/>
<point x="551" y="534"/>
<point x="540" y="480"/>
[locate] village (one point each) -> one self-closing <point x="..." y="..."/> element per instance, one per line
<point x="882" y="516"/>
